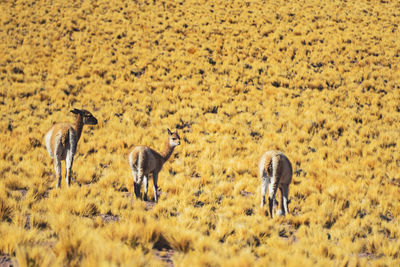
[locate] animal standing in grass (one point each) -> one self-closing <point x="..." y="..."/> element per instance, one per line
<point x="144" y="160"/>
<point x="275" y="171"/>
<point x="61" y="141"/>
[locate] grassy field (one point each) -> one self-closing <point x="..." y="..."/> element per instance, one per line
<point x="318" y="80"/>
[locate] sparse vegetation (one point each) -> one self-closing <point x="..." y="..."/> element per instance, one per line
<point x="325" y="74"/>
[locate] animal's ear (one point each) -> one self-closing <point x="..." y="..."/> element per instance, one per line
<point x="76" y="111"/>
<point x="169" y="132"/>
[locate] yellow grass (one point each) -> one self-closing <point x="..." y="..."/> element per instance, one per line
<point x="318" y="80"/>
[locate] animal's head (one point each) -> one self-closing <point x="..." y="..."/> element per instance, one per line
<point x="87" y="117"/>
<point x="174" y="139"/>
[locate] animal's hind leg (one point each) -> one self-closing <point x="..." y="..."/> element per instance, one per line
<point x="137" y="190"/>
<point x="68" y="164"/>
<point x="136" y="185"/>
<point x="57" y="168"/>
<point x="146" y="186"/>
<point x="271" y="198"/>
<point x="285" y="194"/>
<point x="281" y="211"/>
<point x="264" y="186"/>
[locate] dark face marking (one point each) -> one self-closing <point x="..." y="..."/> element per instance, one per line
<point x="87" y="117"/>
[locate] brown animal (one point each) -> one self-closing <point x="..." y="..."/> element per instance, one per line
<point x="275" y="171"/>
<point x="144" y="160"/>
<point x="61" y="141"/>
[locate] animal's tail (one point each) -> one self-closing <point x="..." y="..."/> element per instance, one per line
<point x="276" y="171"/>
<point x="140" y="166"/>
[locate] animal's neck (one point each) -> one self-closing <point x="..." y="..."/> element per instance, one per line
<point x="167" y="151"/>
<point x="78" y="126"/>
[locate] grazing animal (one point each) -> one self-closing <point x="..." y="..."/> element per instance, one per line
<point x="61" y="141"/>
<point x="144" y="160"/>
<point x="275" y="171"/>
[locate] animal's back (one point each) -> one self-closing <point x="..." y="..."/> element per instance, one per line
<point x="284" y="167"/>
<point x="61" y="136"/>
<point x="287" y="170"/>
<point x="144" y="156"/>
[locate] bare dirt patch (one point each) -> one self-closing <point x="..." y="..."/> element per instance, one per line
<point x="6" y="261"/>
<point x="109" y="218"/>
<point x="165" y="255"/>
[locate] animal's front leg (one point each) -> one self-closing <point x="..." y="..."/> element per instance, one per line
<point x="155" y="187"/>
